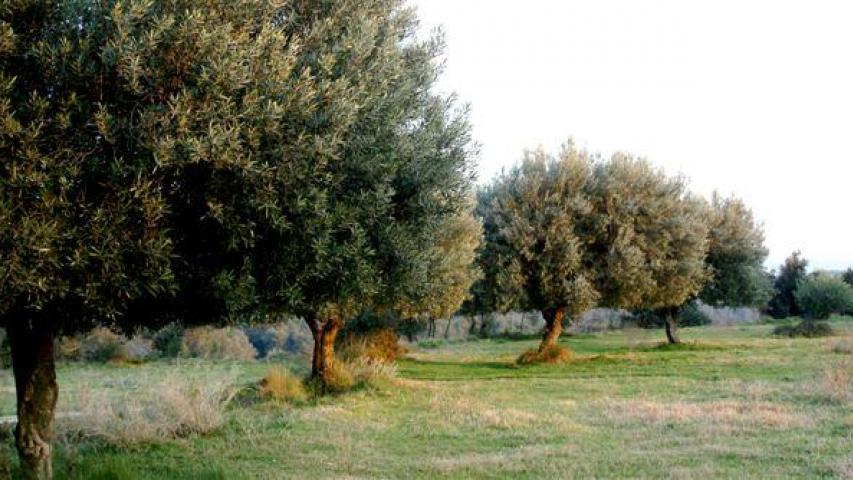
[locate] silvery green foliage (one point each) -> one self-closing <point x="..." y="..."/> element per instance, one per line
<point x="736" y="255"/>
<point x="649" y="236"/>
<point x="535" y="219"/>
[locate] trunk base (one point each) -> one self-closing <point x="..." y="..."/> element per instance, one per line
<point x="35" y="384"/>
<point x="325" y="369"/>
<point x="671" y="325"/>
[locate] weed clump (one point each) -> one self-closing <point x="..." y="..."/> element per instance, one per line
<point x="553" y="354"/>
<point x="282" y="385"/>
<point x="218" y="344"/>
<point x="103" y="345"/>
<point x="173" y="406"/>
<point x="806" y="328"/>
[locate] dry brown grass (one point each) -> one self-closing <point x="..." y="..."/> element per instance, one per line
<point x="723" y="412"/>
<point x="842" y="347"/>
<point x="836" y="381"/>
<point x="554" y="354"/>
<point x="172" y="407"/>
<point x="377" y="346"/>
<point x="280" y="384"/>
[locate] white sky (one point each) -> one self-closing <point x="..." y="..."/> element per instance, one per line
<point x="753" y="97"/>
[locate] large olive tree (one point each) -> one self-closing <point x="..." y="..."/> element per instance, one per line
<point x="157" y="155"/>
<point x="648" y="240"/>
<point x="361" y="211"/>
<point x="534" y="256"/>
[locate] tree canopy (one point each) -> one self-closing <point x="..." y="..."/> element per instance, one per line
<point x="201" y="158"/>
<point x="534" y="253"/>
<point x="736" y="255"/>
<point x="649" y="238"/>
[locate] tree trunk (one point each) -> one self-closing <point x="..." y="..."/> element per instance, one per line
<point x="553" y="327"/>
<point x="671" y="324"/>
<point x="431" y="328"/>
<point x="447" y="328"/>
<point x="35" y="383"/>
<point x="323" y="358"/>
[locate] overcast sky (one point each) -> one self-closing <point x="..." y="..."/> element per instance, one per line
<point x="753" y="98"/>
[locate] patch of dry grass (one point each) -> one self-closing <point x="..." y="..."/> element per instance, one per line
<point x="836" y="382"/>
<point x="553" y="354"/>
<point x="723" y="412"/>
<point x="282" y="385"/>
<point x="174" y="406"/>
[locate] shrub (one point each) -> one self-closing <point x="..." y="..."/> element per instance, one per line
<point x="218" y="344"/>
<point x="169" y="340"/>
<point x="139" y="348"/>
<point x="177" y="405"/>
<point x="103" y="344"/>
<point x="554" y="354"/>
<point x="806" y="328"/>
<point x="263" y="339"/>
<point x="822" y="295"/>
<point x="691" y="316"/>
<point x="281" y="384"/>
<point x="381" y="345"/>
<point x="69" y="348"/>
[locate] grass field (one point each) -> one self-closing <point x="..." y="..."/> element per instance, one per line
<point x="733" y="402"/>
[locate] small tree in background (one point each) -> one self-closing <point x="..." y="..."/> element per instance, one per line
<point x="648" y="239"/>
<point x="791" y="274"/>
<point x="533" y="256"/>
<point x="823" y="295"/>
<point x="736" y="255"/>
<point x="452" y="269"/>
<point x="847" y="276"/>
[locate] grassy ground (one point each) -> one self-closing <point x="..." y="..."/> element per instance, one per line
<point x="733" y="402"/>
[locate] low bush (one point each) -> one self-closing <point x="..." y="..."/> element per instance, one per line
<point x="68" y="348"/>
<point x="805" y="328"/>
<point x="139" y="348"/>
<point x="218" y="344"/>
<point x="280" y="384"/>
<point x="264" y="339"/>
<point x="103" y="344"/>
<point x="168" y="340"/>
<point x="555" y="354"/>
<point x="691" y="316"/>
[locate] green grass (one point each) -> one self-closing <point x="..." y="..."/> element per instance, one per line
<point x="731" y="402"/>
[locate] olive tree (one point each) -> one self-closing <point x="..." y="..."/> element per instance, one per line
<point x="361" y="210"/>
<point x="452" y="271"/>
<point x="534" y="253"/>
<point x="648" y="239"/>
<point x="791" y="274"/>
<point x="152" y="151"/>
<point x="736" y="255"/>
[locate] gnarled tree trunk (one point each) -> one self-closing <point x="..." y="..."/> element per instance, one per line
<point x="35" y="382"/>
<point x="671" y="325"/>
<point x="323" y="359"/>
<point x="553" y="327"/>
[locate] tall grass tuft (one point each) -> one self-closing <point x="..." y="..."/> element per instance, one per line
<point x="174" y="406"/>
